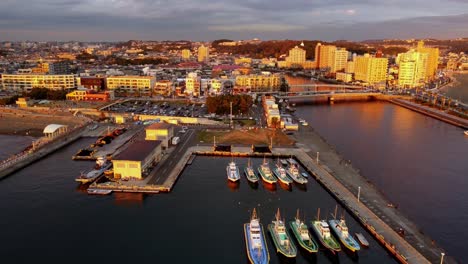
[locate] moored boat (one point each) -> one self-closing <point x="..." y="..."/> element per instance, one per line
<point x="293" y="172"/>
<point x="98" y="191"/>
<point x="102" y="164"/>
<point x="257" y="249"/>
<point x="341" y="230"/>
<point x="362" y="240"/>
<point x="232" y="172"/>
<point x="283" y="162"/>
<point x="302" y="234"/>
<point x="304" y="175"/>
<point x="280" y="237"/>
<point x="250" y="173"/>
<point x="322" y="231"/>
<point x="466" y="132"/>
<point x="292" y="161"/>
<point x="265" y="172"/>
<point x="280" y="173"/>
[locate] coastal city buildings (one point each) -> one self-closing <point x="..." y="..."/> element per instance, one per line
<point x="259" y="82"/>
<point x="193" y="84"/>
<point x="325" y="56"/>
<point x="203" y="54"/>
<point x="186" y="54"/>
<point x="412" y="69"/>
<point x="371" y="70"/>
<point x="133" y="161"/>
<point x="26" y="82"/>
<point x="139" y="85"/>
<point x="340" y="60"/>
<point x="432" y="60"/>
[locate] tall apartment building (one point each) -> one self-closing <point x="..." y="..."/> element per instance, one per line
<point x="370" y="70"/>
<point x="59" y="67"/>
<point x="258" y="83"/>
<point x="186" y="54"/>
<point x="203" y="54"/>
<point x="325" y="56"/>
<point x="340" y="60"/>
<point x="193" y="84"/>
<point x="163" y="87"/>
<point x="140" y="85"/>
<point x="412" y="68"/>
<point x="432" y="60"/>
<point x="297" y="56"/>
<point x="26" y="82"/>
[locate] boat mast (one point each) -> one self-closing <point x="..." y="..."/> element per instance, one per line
<point x="318" y="214"/>
<point x="254" y="214"/>
<point x="336" y="210"/>
<point x="297" y="214"/>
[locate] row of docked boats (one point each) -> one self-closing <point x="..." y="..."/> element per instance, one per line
<point x="256" y="246"/>
<point x="286" y="175"/>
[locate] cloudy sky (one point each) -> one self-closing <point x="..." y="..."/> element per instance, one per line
<point x="115" y="20"/>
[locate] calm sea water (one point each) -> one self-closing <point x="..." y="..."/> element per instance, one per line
<point x="46" y="217"/>
<point x="418" y="162"/>
<point x="10" y="145"/>
<point x="459" y="90"/>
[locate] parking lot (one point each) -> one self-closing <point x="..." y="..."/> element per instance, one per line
<point x="160" y="108"/>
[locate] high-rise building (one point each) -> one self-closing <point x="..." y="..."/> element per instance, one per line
<point x="59" y="67"/>
<point x="432" y="60"/>
<point x="203" y="54"/>
<point x="297" y="56"/>
<point x="370" y="70"/>
<point x="325" y="55"/>
<point x="412" y="68"/>
<point x="186" y="54"/>
<point x="192" y="84"/>
<point x="340" y="60"/>
<point x="26" y="82"/>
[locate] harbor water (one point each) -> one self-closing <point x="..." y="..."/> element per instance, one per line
<point x="418" y="162"/>
<point x="458" y="90"/>
<point x="47" y="216"/>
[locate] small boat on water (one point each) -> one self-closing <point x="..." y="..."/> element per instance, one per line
<point x="98" y="191"/>
<point x="102" y="164"/>
<point x="281" y="174"/>
<point x="302" y="234"/>
<point x="304" y="175"/>
<point x="280" y="237"/>
<point x="466" y="132"/>
<point x="257" y="249"/>
<point x="232" y="172"/>
<point x="322" y="231"/>
<point x="293" y="172"/>
<point x="305" y="123"/>
<point x="362" y="240"/>
<point x="265" y="172"/>
<point x="250" y="173"/>
<point x="292" y="161"/>
<point x="283" y="162"/>
<point x="341" y="230"/>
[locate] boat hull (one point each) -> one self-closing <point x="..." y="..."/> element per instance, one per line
<point x="297" y="179"/>
<point x="348" y="242"/>
<point x="310" y="246"/>
<point x="252" y="253"/>
<point x="284" y="179"/>
<point x="96" y="174"/>
<point x="251" y="178"/>
<point x="330" y="244"/>
<point x="362" y="240"/>
<point x="289" y="253"/>
<point x="270" y="180"/>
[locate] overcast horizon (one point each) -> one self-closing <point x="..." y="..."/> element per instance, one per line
<point x="207" y="20"/>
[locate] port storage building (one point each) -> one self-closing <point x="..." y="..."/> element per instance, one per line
<point x="160" y="131"/>
<point x="135" y="160"/>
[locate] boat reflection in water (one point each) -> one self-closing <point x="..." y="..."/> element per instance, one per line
<point x="233" y="186"/>
<point x="129" y="199"/>
<point x="269" y="187"/>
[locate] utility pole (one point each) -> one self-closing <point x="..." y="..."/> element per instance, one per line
<point x="230" y="116"/>
<point x="359" y="194"/>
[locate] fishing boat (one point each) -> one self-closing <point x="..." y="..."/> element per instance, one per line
<point x="302" y="234"/>
<point x="293" y="172"/>
<point x="250" y="173"/>
<point x="341" y="230"/>
<point x="257" y="249"/>
<point x="232" y="172"/>
<point x="362" y="240"/>
<point x="102" y="164"/>
<point x="98" y="191"/>
<point x="292" y="161"/>
<point x="322" y="231"/>
<point x="265" y="172"/>
<point x="281" y="174"/>
<point x="280" y="237"/>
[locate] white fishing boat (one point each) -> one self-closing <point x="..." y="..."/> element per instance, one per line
<point x="293" y="172"/>
<point x="232" y="172"/>
<point x="102" y="164"/>
<point x="257" y="249"/>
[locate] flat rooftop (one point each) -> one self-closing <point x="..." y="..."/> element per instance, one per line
<point x="138" y="150"/>
<point x="158" y="126"/>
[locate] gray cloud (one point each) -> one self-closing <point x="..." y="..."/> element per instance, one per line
<point x="241" y="19"/>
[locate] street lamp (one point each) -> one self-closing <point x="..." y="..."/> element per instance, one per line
<point x="442" y="254"/>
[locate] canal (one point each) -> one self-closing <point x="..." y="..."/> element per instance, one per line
<point x="45" y="216"/>
<point x="418" y="162"/>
